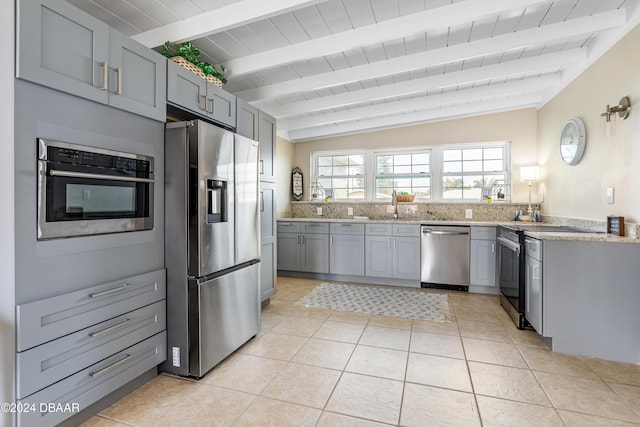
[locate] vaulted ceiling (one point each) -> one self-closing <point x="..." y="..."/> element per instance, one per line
<point x="331" y="67"/>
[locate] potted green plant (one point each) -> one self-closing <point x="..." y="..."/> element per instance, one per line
<point x="190" y="53"/>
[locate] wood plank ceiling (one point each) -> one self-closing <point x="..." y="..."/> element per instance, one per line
<point x="326" y="68"/>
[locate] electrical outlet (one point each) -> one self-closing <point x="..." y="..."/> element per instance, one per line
<point x="610" y="195"/>
<point x="349" y="211"/>
<point x="468" y="213"/>
<point x="319" y="210"/>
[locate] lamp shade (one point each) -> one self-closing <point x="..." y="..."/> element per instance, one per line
<point x="529" y="173"/>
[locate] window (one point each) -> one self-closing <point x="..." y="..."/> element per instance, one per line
<point x="466" y="170"/>
<point x="342" y="175"/>
<point x="436" y="173"/>
<point x="405" y="172"/>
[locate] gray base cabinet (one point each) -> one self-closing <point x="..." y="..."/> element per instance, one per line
<point x="533" y="284"/>
<point x="191" y="92"/>
<point x="346" y="255"/>
<point x="482" y="259"/>
<point x="303" y="247"/>
<point x="64" y="48"/>
<point x="393" y="251"/>
<point x="81" y="346"/>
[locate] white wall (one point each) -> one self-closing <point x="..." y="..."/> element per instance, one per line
<point x="519" y="127"/>
<point x="579" y="191"/>
<point x="284" y="165"/>
<point x="7" y="271"/>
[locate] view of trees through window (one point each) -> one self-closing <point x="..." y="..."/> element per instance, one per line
<point x="407" y="172"/>
<point x="466" y="171"/>
<point x="434" y="173"/>
<point x="342" y="176"/>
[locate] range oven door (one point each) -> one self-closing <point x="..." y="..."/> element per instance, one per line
<point x="79" y="195"/>
<point x="510" y="280"/>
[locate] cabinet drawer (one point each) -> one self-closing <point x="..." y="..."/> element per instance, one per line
<point x="93" y="383"/>
<point x="51" y="318"/>
<point x="347" y="228"/>
<point x="288" y="227"/>
<point x="48" y="363"/>
<point x="314" y="228"/>
<point x="379" y="229"/>
<point x="483" y="233"/>
<point x="409" y="230"/>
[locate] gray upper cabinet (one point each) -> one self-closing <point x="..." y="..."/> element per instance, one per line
<point x="267" y="138"/>
<point x="247" y="120"/>
<point x="137" y="77"/>
<point x="64" y="48"/>
<point x="267" y="239"/>
<point x="189" y="91"/>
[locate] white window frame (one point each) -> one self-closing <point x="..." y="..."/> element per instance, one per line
<point x="506" y="147"/>
<point x="364" y="154"/>
<point x="403" y="175"/>
<point x="436" y="166"/>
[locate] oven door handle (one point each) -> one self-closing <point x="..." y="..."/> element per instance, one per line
<point x="68" y="174"/>
<point x="515" y="247"/>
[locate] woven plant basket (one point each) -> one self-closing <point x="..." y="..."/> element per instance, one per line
<point x="405" y="198"/>
<point x="196" y="70"/>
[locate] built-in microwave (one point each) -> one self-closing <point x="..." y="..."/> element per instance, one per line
<point x="86" y="191"/>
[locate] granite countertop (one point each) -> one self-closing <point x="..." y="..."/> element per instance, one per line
<point x="584" y="237"/>
<point x="546" y="235"/>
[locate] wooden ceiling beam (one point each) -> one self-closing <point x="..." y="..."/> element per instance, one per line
<point x="524" y="86"/>
<point x="532" y="37"/>
<point x="218" y="20"/>
<point x="392" y="29"/>
<point x="544" y="63"/>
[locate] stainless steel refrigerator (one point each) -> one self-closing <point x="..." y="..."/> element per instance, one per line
<point x="212" y="247"/>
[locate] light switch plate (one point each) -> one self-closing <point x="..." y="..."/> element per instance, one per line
<point x="319" y="210"/>
<point x="175" y="356"/>
<point x="349" y="211"/>
<point x="610" y="195"/>
<point x="468" y="213"/>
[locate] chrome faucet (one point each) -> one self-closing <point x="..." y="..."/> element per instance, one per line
<point x="394" y="202"/>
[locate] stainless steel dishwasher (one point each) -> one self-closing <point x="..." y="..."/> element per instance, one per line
<point x="444" y="256"/>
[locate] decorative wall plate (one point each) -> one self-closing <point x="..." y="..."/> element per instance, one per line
<point x="297" y="184"/>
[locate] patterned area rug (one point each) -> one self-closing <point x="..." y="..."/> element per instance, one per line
<point x="380" y="300"/>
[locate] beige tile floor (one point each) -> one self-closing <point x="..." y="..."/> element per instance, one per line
<point x="319" y="367"/>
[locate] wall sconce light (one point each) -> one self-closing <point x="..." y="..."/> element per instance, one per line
<point x="623" y="108"/>
<point x="529" y="174"/>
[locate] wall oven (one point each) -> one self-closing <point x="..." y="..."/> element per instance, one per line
<point x="86" y="191"/>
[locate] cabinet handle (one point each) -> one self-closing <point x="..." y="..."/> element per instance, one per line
<point x="110" y="291"/>
<point x="331" y="240"/>
<point x="105" y="75"/>
<point x="493" y="248"/>
<point x="302" y="239"/>
<point x="113" y="365"/>
<point x="345" y="225"/>
<point x="261" y="167"/>
<point x="110" y="328"/>
<point x="204" y="102"/>
<point x="262" y="201"/>
<point x="119" y="87"/>
<point x="395" y="243"/>
<point x="212" y="106"/>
